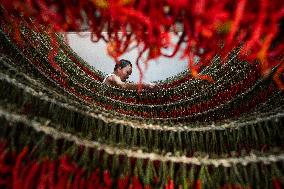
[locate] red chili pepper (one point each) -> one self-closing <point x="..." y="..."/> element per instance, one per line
<point x="237" y="19"/>
<point x="170" y="184"/>
<point x="78" y="177"/>
<point x="122" y="182"/>
<point x="277" y="183"/>
<point x="278" y="77"/>
<point x="62" y="181"/>
<point x="5" y="169"/>
<point x="17" y="182"/>
<point x="43" y="176"/>
<point x="66" y="169"/>
<point x="52" y="170"/>
<point x="94" y="180"/>
<point x="135" y="184"/>
<point x="198" y="184"/>
<point x="66" y="165"/>
<point x="107" y="179"/>
<point x="30" y="180"/>
<point x="83" y="183"/>
<point x="69" y="184"/>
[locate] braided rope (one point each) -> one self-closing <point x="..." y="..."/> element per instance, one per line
<point x="226" y="162"/>
<point x="177" y="128"/>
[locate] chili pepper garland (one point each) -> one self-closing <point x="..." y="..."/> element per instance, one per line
<point x="255" y="25"/>
<point x="139" y="106"/>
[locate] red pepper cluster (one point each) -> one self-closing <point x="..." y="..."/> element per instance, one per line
<point x="17" y="170"/>
<point x="204" y="26"/>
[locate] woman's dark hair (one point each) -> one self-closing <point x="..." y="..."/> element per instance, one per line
<point x="122" y="64"/>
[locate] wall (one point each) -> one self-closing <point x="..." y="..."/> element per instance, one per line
<point x="95" y="54"/>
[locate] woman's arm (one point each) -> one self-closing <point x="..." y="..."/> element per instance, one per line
<point x="114" y="80"/>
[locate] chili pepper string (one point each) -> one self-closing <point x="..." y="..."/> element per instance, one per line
<point x="124" y="135"/>
<point x="205" y="23"/>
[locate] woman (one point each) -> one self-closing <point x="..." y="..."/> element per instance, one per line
<point x="121" y="73"/>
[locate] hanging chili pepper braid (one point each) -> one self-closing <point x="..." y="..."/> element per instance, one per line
<point x="205" y="24"/>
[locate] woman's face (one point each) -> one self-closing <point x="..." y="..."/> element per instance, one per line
<point x="125" y="72"/>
